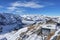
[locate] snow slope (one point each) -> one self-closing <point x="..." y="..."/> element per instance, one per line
<point x="13" y="37"/>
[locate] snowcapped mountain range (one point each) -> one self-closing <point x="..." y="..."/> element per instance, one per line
<point x="29" y="27"/>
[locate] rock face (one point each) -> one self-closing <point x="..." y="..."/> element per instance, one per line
<point x="9" y="22"/>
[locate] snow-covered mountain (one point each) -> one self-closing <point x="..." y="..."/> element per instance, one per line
<point x="9" y="22"/>
<point x="29" y="27"/>
<point x="37" y="32"/>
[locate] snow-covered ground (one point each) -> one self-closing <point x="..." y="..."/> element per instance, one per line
<point x="28" y="22"/>
<point x="13" y="37"/>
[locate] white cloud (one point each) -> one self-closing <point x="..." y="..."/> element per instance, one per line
<point x="12" y="8"/>
<point x="27" y="4"/>
<point x="17" y="4"/>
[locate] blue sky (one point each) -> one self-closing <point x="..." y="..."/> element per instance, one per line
<point x="43" y="7"/>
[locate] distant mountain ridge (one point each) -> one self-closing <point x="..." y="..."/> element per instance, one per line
<point x="9" y="22"/>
